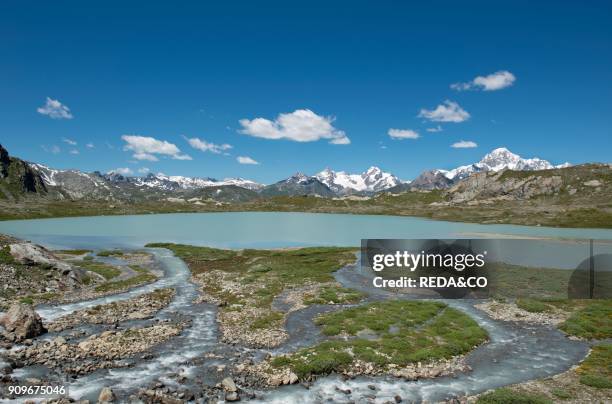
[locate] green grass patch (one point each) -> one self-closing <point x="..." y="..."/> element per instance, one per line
<point x="584" y="217"/>
<point x="532" y="305"/>
<point x="5" y="256"/>
<point x="594" y="321"/>
<point x="393" y="332"/>
<point x="508" y="396"/>
<point x="562" y="394"/>
<point x="273" y="319"/>
<point x="107" y="271"/>
<point x="110" y="253"/>
<point x="519" y="281"/>
<point x="596" y="370"/>
<point x="334" y="295"/>
<point x="144" y="276"/>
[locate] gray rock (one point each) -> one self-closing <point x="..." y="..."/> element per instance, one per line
<point x="229" y="385"/>
<point x="106" y="395"/>
<point x="22" y="322"/>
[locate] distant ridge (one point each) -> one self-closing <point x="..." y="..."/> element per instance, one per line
<point x="23" y="177"/>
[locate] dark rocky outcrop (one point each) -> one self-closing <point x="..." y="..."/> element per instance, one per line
<point x="17" y="178"/>
<point x="5" y="160"/>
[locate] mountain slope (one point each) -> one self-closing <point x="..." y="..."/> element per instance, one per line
<point x="298" y="184"/>
<point x="583" y="182"/>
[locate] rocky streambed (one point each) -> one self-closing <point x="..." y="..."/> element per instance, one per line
<point x="177" y="355"/>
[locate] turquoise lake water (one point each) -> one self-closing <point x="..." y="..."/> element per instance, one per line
<point x="276" y="229"/>
<point x="263" y="229"/>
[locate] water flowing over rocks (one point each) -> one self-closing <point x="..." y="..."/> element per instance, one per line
<point x="97" y="351"/>
<point x="232" y="324"/>
<point x="186" y="369"/>
<point x="137" y="308"/>
<point x="264" y="375"/>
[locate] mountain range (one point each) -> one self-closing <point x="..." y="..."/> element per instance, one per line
<point x="498" y="160"/>
<point x="75" y="184"/>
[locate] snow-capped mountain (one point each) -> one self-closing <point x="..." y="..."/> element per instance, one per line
<point x="174" y="182"/>
<point x="371" y="180"/>
<point x="54" y="177"/>
<point x="499" y="159"/>
<point x="77" y="184"/>
<point x="327" y="183"/>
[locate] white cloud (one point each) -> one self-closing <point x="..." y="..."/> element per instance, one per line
<point x="492" y="82"/>
<point x="204" y="146"/>
<point x="246" y="160"/>
<point x="448" y="111"/>
<point x="403" y="134"/>
<point x="301" y="125"/>
<point x="147" y="148"/>
<point x="464" y="144"/>
<point x="143" y="170"/>
<point x="182" y="157"/>
<point x="145" y="156"/>
<point x="69" y="141"/>
<point x="74" y="151"/>
<point x="340" y="140"/>
<point x="434" y="130"/>
<point x="55" y="110"/>
<point x="90" y="145"/>
<point x="122" y="171"/>
<point x="55" y="149"/>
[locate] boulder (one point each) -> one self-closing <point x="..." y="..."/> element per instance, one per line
<point x="229" y="385"/>
<point x="106" y="395"/>
<point x="59" y="340"/>
<point x="32" y="254"/>
<point x="232" y="396"/>
<point x="593" y="183"/>
<point x="22" y="322"/>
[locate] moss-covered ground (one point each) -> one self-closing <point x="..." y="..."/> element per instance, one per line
<point x="395" y="333"/>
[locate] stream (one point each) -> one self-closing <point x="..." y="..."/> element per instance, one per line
<point x="515" y="352"/>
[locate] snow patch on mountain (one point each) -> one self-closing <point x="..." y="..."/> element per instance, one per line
<point x="371" y="180"/>
<point x="500" y="159"/>
<point x="173" y="182"/>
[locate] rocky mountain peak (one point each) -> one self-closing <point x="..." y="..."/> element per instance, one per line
<point x="5" y="160"/>
<point x="373" y="170"/>
<point x="299" y="177"/>
<point x="4" y="155"/>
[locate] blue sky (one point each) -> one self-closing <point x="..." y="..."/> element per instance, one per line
<point x="339" y="72"/>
